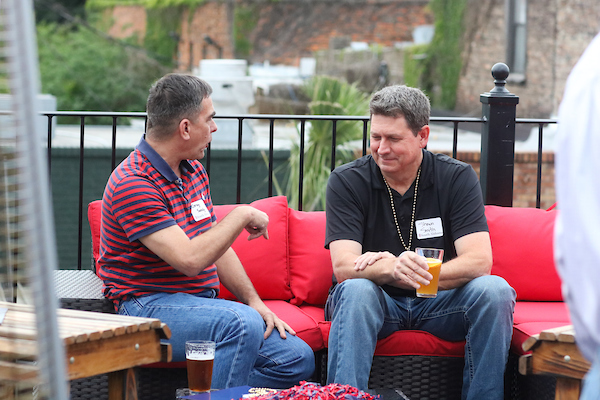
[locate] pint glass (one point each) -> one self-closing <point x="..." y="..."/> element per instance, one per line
<point x="434" y="259"/>
<point x="200" y="355"/>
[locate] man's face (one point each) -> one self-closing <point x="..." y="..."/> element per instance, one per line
<point x="393" y="145"/>
<point x="202" y="129"/>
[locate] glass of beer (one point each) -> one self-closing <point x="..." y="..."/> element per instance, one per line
<point x="434" y="259"/>
<point x="200" y="355"/>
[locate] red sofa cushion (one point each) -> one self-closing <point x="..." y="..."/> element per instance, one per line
<point x="522" y="245"/>
<point x="410" y="343"/>
<point x="541" y="311"/>
<point x="532" y="317"/>
<point x="310" y="262"/>
<point x="94" y="217"/>
<point x="265" y="261"/>
<point x="522" y="332"/>
<point x="306" y="327"/>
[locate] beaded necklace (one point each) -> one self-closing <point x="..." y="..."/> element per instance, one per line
<point x="414" y="207"/>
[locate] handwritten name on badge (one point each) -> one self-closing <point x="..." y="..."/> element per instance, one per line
<point x="429" y="228"/>
<point x="199" y="211"/>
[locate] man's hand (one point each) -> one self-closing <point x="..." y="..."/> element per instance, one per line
<point x="369" y="258"/>
<point x="257" y="227"/>
<point x="411" y="270"/>
<point x="272" y="321"/>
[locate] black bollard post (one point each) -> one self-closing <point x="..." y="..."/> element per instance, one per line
<point x="498" y="140"/>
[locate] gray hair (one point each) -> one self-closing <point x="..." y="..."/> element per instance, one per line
<point x="173" y="98"/>
<point x="402" y="101"/>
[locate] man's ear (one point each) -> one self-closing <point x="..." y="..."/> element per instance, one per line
<point x="184" y="129"/>
<point x="424" y="136"/>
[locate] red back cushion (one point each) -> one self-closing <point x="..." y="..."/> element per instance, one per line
<point x="94" y="218"/>
<point x="522" y="245"/>
<point x="265" y="261"/>
<point x="310" y="262"/>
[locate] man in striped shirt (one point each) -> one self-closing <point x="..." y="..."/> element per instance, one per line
<point x="162" y="254"/>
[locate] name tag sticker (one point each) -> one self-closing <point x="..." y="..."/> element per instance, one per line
<point x="199" y="210"/>
<point x="429" y="228"/>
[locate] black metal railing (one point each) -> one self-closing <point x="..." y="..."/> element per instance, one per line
<point x="541" y="123"/>
<point x="497" y="167"/>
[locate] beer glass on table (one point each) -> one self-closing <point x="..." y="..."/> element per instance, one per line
<point x="434" y="259"/>
<point x="200" y="355"/>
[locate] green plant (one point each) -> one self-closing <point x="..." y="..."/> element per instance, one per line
<point x="87" y="72"/>
<point x="436" y="67"/>
<point x="245" y="17"/>
<point x="100" y="4"/>
<point x="414" y="64"/>
<point x="163" y="31"/>
<point x="445" y="47"/>
<point x="330" y="96"/>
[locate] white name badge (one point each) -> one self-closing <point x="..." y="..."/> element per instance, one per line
<point x="429" y="228"/>
<point x="199" y="211"/>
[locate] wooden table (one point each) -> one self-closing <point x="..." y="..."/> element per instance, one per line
<point x="95" y="343"/>
<point x="554" y="352"/>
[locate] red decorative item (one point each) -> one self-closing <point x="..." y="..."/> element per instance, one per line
<point x="311" y="391"/>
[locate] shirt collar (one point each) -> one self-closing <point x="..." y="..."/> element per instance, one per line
<point x="426" y="179"/>
<point x="159" y="163"/>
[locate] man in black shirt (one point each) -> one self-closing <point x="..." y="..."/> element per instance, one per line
<point x="379" y="209"/>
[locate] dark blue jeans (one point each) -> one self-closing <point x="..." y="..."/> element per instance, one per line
<point x="243" y="356"/>
<point x="480" y="312"/>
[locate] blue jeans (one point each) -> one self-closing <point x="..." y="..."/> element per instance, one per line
<point x="243" y="356"/>
<point x="480" y="312"/>
<point x="591" y="382"/>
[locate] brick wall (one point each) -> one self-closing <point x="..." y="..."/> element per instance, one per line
<point x="557" y="33"/>
<point x="127" y="21"/>
<point x="525" y="177"/>
<point x="285" y="31"/>
<point x="213" y="19"/>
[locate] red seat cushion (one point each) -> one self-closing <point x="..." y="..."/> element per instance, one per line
<point x="265" y="261"/>
<point x="410" y="343"/>
<point x="523" y="331"/>
<point x="522" y="246"/>
<point x="532" y="317"/>
<point x="541" y="311"/>
<point x="310" y="262"/>
<point x="303" y="323"/>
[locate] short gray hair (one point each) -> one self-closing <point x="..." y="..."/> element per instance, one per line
<point x="402" y="101"/>
<point x="173" y="98"/>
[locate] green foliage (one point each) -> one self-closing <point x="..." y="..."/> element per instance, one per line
<point x="446" y="46"/>
<point x="100" y="4"/>
<point x="46" y="11"/>
<point x="163" y="27"/>
<point x="330" y="96"/>
<point x="439" y="71"/>
<point x="86" y="72"/>
<point x="414" y="64"/>
<point x="444" y="62"/>
<point x="244" y="21"/>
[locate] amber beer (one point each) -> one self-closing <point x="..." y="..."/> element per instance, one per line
<point x="431" y="289"/>
<point x="200" y="355"/>
<point x="434" y="259"/>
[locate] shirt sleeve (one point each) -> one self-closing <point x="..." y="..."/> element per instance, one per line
<point x="468" y="212"/>
<point x="344" y="214"/>
<point x="139" y="207"/>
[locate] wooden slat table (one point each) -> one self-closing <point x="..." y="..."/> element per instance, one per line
<point x="95" y="343"/>
<point x="554" y="352"/>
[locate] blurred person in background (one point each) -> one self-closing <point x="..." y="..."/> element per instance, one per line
<point x="577" y="232"/>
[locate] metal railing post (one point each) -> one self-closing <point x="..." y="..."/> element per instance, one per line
<point x="499" y="108"/>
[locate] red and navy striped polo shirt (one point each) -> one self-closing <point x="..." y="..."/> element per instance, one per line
<point x="143" y="195"/>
